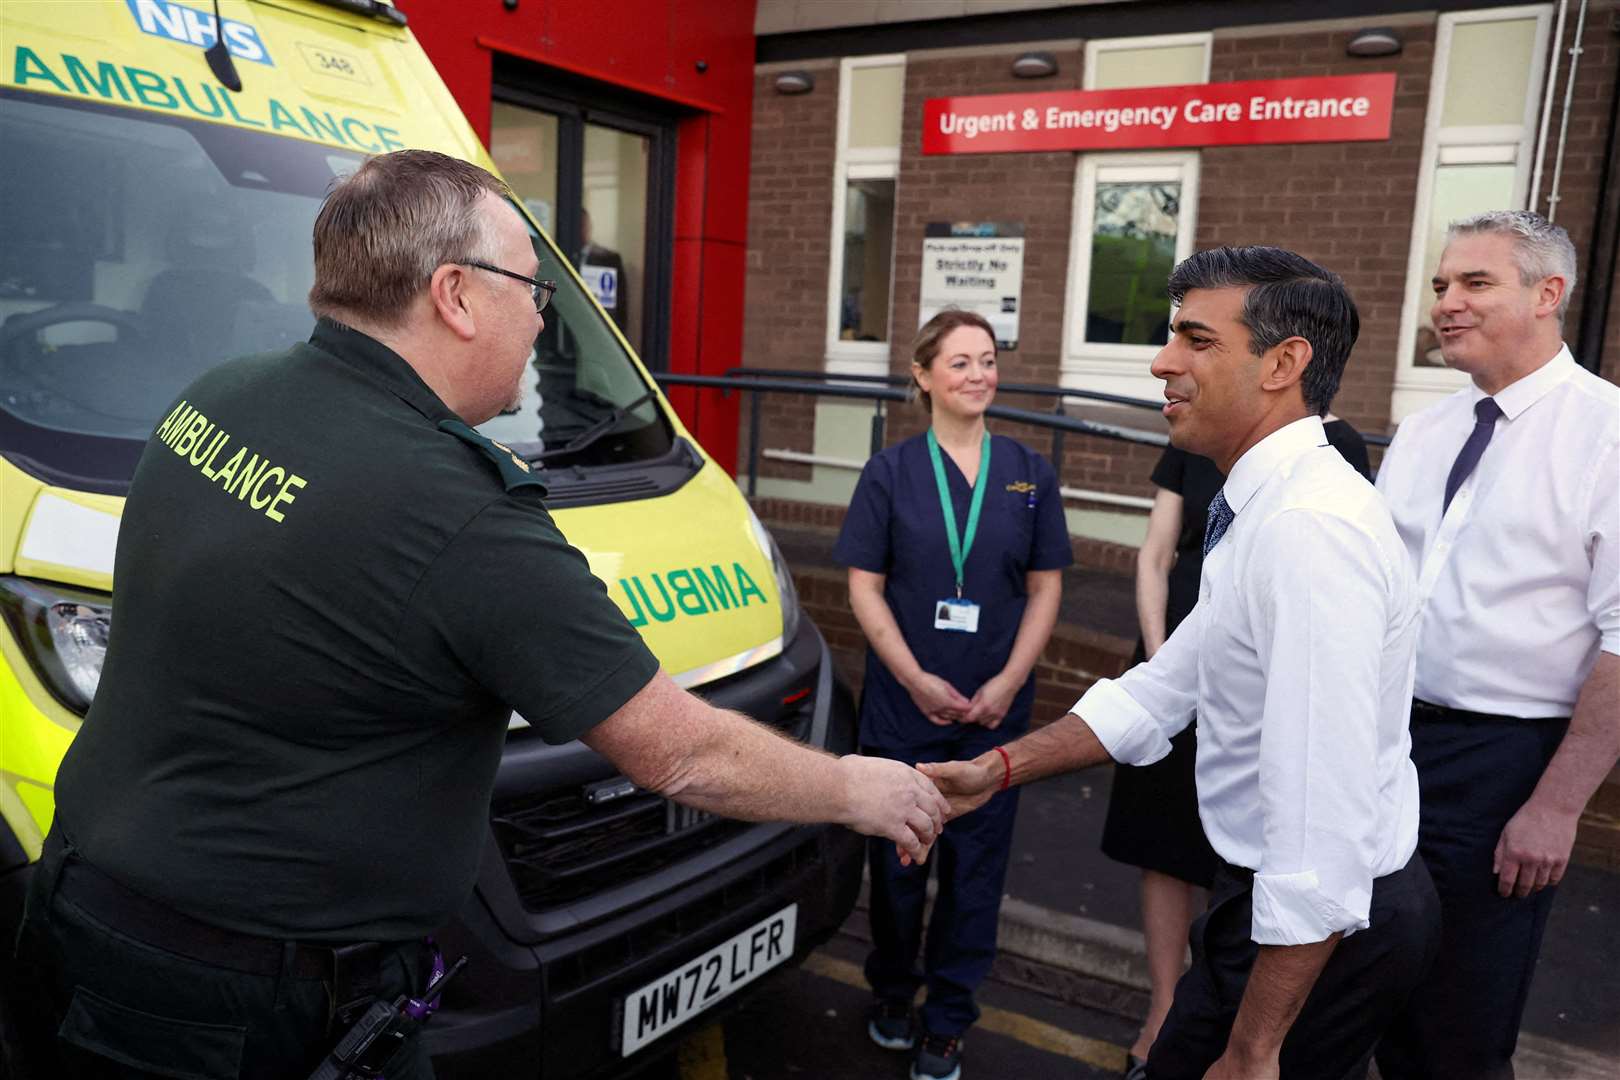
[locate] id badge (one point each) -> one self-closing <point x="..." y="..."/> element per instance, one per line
<point x="958" y="615"/>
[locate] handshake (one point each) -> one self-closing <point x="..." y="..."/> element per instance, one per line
<point x="911" y="805"/>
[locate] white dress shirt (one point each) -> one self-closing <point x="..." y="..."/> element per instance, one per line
<point x="1520" y="579"/>
<point x="1298" y="663"/>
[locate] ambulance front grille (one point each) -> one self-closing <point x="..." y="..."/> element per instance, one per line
<point x="560" y="848"/>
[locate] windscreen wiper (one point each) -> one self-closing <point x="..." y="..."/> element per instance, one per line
<point x="597" y="430"/>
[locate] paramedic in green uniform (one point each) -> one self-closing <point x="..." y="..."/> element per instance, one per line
<point x="332" y="593"/>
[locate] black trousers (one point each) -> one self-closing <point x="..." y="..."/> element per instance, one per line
<point x="971" y="857"/>
<point x="93" y="1003"/>
<point x="1474" y="773"/>
<point x="1364" y="984"/>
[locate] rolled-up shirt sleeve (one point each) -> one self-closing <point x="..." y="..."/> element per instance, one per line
<point x="1135" y="715"/>
<point x="1319" y="605"/>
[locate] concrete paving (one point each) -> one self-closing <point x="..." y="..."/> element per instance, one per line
<point x="1070" y="907"/>
<point x="1070" y="922"/>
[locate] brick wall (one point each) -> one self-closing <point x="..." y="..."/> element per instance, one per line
<point x="790" y="197"/>
<point x="1347" y="206"/>
<point x="1586" y="146"/>
<point x="1035" y="190"/>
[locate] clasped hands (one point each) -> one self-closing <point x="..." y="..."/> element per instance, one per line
<point x="944" y="704"/>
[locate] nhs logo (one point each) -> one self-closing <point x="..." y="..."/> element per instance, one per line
<point x="179" y="23"/>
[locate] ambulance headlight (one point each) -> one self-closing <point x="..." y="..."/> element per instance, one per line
<point x="784" y="578"/>
<point x="63" y="633"/>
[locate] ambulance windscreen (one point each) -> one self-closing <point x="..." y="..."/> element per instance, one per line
<point x="140" y="251"/>
<point x="143" y="249"/>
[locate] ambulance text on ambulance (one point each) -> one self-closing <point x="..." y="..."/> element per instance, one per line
<point x="688" y="591"/>
<point x="104" y="81"/>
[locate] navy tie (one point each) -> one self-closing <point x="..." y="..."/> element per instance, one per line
<point x="1486" y="410"/>
<point x="1220" y="517"/>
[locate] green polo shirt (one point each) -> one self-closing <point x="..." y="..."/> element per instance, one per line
<point x="331" y="595"/>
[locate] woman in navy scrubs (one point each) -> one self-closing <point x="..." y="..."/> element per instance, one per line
<point x="955" y="542"/>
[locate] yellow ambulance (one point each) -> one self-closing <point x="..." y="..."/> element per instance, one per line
<point x="155" y="222"/>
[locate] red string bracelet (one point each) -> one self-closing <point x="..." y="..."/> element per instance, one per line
<point x="1006" y="777"/>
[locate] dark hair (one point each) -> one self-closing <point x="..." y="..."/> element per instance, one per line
<point x="925" y="346"/>
<point x="1289" y="296"/>
<point x="382" y="232"/>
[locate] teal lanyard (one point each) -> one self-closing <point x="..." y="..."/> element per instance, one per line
<point x="960" y="546"/>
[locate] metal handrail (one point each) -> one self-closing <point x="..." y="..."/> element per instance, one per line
<point x="761" y="381"/>
<point x="1034" y="389"/>
<point x="1057" y="422"/>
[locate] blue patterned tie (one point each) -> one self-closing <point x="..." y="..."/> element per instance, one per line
<point x="1486" y="410"/>
<point x="1220" y="517"/>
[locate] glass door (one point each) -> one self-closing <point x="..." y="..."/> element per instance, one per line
<point x="613" y="224"/>
<point x="601" y="181"/>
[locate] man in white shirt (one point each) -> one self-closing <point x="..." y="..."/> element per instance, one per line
<point x="1506" y="496"/>
<point x="1298" y="663"/>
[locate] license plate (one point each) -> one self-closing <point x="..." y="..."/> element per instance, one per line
<point x="668" y="1002"/>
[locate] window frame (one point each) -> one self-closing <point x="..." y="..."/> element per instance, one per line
<point x="1488" y="144"/>
<point x="1110" y="366"/>
<point x="1115" y="368"/>
<point x="1088" y="79"/>
<point x="858" y="163"/>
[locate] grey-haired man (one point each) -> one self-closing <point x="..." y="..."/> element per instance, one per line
<point x="1506" y="495"/>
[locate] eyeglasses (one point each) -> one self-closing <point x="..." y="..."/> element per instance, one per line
<point x="543" y="290"/>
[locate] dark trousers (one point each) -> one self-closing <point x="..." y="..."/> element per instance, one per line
<point x="96" y="1003"/>
<point x="1360" y="990"/>
<point x="971" y="856"/>
<point x="1474" y="773"/>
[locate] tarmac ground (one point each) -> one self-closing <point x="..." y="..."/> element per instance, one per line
<point x="1069" y="986"/>
<point x="811" y="1022"/>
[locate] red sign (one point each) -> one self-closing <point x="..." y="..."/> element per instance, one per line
<point x="1346" y="108"/>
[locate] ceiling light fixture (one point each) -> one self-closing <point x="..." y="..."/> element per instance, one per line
<point x="1035" y="65"/>
<point x="1374" y="41"/>
<point x="795" y="82"/>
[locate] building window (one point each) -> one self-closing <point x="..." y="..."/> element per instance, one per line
<point x="871" y="93"/>
<point x="863" y="313"/>
<point x="1136" y="240"/>
<point x="1478" y="149"/>
<point x="1134" y="218"/>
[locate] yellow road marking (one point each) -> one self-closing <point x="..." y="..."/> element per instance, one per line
<point x="702" y="1054"/>
<point x="1031" y="1032"/>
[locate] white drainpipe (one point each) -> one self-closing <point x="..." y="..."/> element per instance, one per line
<point x="1563" y="124"/>
<point x="1546" y="104"/>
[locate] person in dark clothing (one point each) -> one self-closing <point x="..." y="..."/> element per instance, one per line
<point x="1152" y="820"/>
<point x="955" y="542"/>
<point x="332" y="594"/>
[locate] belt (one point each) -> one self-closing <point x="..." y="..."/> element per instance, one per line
<point x="128" y="912"/>
<point x="1425" y="711"/>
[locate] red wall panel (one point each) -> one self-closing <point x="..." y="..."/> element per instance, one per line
<point x="653" y="47"/>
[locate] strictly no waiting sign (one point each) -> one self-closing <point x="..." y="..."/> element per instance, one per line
<point x="1349" y="108"/>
